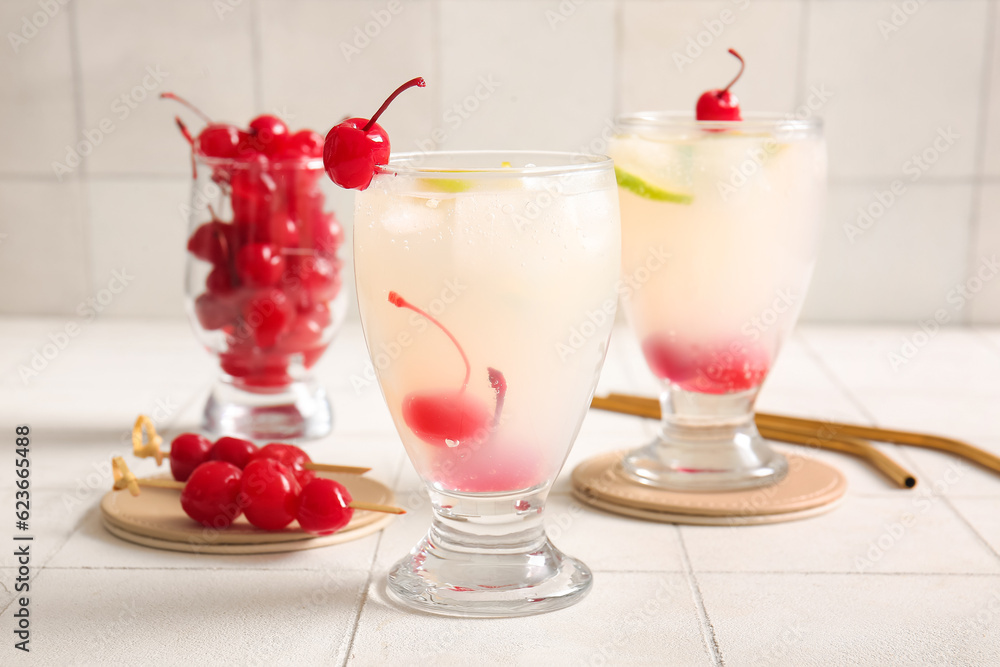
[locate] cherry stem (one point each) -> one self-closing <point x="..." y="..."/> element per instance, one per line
<point x="190" y="140"/>
<point x="224" y="242"/>
<point x="738" y="74"/>
<point x="177" y="98"/>
<point x="419" y="81"/>
<point x="398" y="301"/>
<point x="499" y="384"/>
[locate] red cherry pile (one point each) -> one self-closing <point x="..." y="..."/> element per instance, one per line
<point x="705" y="369"/>
<point x="356" y="146"/>
<point x="274" y="265"/>
<point x="451" y="417"/>
<point x="721" y="104"/>
<point x="270" y="486"/>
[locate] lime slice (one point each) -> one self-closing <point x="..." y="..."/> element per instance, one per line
<point x="445" y="184"/>
<point x="643" y="189"/>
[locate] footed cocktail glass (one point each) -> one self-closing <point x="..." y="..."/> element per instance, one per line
<point x="719" y="228"/>
<point x="473" y="272"/>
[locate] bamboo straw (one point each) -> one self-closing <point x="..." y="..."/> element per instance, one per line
<point x="949" y="445"/>
<point x="896" y="473"/>
<point x="821" y="438"/>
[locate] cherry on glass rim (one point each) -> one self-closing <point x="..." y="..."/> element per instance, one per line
<point x="721" y="104"/>
<point x="354" y="147"/>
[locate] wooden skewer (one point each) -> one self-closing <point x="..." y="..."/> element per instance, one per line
<point x="825" y="437"/>
<point x="150" y="445"/>
<point x="126" y="479"/>
<point x="375" y="507"/>
<point x="327" y="467"/>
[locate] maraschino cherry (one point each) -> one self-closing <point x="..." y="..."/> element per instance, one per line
<point x="237" y="451"/>
<point x="721" y="104"/>
<point x="450" y="418"/>
<point x="324" y="507"/>
<point x="187" y="452"/>
<point x="294" y="458"/>
<point x="269" y="494"/>
<point x="356" y="146"/>
<point x="211" y="495"/>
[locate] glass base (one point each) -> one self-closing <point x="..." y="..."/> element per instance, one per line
<point x="706" y="443"/>
<point x="496" y="564"/>
<point x="299" y="411"/>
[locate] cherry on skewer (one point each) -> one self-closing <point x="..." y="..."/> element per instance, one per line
<point x="450" y="418"/>
<point x="721" y="104"/>
<point x="355" y="146"/>
<point x="218" y="492"/>
<point x="147" y="443"/>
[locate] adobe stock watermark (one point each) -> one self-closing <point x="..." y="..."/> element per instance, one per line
<point x="88" y="310"/>
<point x="387" y="352"/>
<point x="121" y="108"/>
<point x="33" y="24"/>
<point x="958" y="297"/>
<point x="223" y="8"/>
<point x="757" y="325"/>
<point x="595" y="320"/>
<point x="363" y="35"/>
<point x="758" y="156"/>
<point x="562" y="13"/>
<point x="899" y="15"/>
<point x="915" y="167"/>
<point x="100" y="479"/>
<point x="713" y="28"/>
<point x="459" y="112"/>
<point x="922" y="503"/>
<point x="611" y="652"/>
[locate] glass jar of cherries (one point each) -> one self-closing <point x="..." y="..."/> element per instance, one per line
<point x="264" y="284"/>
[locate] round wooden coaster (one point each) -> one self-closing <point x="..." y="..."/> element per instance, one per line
<point x="155" y="519"/>
<point x="811" y="487"/>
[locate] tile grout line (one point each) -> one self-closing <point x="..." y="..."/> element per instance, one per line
<point x="618" y="51"/>
<point x="86" y="515"/>
<point x="850" y="395"/>
<point x="364" y="598"/>
<point x="834" y="378"/>
<point x="77" y="75"/>
<point x="801" y="76"/>
<point x="797" y="573"/>
<point x="80" y="176"/>
<point x="256" y="42"/>
<point x="975" y="531"/>
<point x="979" y="162"/>
<point x="15" y="595"/>
<point x="707" y="629"/>
<point x="437" y="62"/>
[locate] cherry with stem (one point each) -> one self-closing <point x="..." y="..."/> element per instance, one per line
<point x="450" y="418"/>
<point x="356" y="146"/>
<point x="721" y="104"/>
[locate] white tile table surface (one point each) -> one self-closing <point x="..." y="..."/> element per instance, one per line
<point x="855" y="586"/>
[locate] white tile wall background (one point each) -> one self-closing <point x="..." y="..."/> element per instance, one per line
<point x="895" y="74"/>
